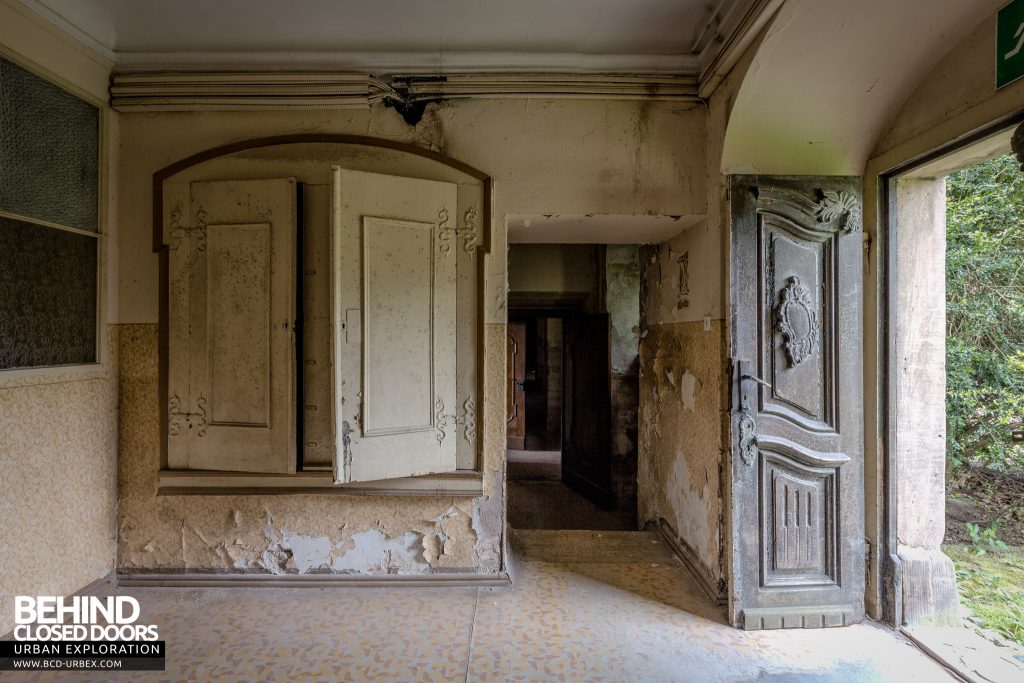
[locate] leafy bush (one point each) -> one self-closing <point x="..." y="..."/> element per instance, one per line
<point x="985" y="314"/>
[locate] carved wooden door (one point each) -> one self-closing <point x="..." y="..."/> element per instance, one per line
<point x="797" y="428"/>
<point x="586" y="408"/>
<point x="515" y="380"/>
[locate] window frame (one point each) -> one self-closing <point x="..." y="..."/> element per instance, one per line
<point x="47" y="374"/>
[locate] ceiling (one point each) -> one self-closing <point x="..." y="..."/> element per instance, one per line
<point x="611" y="35"/>
<point x="815" y="102"/>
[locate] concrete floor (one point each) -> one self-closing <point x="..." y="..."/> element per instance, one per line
<point x="586" y="606"/>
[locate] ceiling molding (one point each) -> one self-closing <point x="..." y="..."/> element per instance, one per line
<point x="243" y="91"/>
<point x="324" y="90"/>
<point x="737" y="27"/>
<point x="607" y="86"/>
<point x="411" y="62"/>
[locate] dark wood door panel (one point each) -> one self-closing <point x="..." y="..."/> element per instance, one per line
<point x="797" y="445"/>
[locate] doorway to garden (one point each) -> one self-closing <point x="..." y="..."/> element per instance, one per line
<point x="955" y="374"/>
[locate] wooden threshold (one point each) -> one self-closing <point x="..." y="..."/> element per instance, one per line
<point x="211" y="580"/>
<point x="463" y="483"/>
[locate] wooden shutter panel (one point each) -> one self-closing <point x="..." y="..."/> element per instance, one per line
<point x="394" y="296"/>
<point x="233" y="288"/>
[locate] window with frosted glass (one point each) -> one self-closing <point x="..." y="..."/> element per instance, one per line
<point x="49" y="210"/>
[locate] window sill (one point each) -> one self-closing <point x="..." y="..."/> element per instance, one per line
<point x="467" y="483"/>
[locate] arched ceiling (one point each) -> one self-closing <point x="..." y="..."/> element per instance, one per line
<point x="829" y="76"/>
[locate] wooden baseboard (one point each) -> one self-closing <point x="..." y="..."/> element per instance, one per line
<point x="213" y="580"/>
<point x="688" y="557"/>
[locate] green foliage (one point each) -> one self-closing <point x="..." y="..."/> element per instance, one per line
<point x="992" y="587"/>
<point x="984" y="539"/>
<point x="985" y="314"/>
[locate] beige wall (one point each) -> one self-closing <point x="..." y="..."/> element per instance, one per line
<point x="58" y="439"/>
<point x="546" y="156"/>
<point x="562" y="268"/>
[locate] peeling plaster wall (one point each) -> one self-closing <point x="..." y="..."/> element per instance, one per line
<point x="680" y="434"/>
<point x="683" y="437"/>
<point x="295" y="533"/>
<point x="546" y="156"/>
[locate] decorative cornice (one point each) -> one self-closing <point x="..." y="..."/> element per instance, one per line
<point x="239" y="91"/>
<point x="325" y="90"/>
<point x="606" y="86"/>
<point x="413" y="62"/>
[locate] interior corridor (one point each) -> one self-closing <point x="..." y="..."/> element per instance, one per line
<point x="586" y="606"/>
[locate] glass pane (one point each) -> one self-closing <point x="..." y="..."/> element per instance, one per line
<point x="47" y="296"/>
<point x="49" y="141"/>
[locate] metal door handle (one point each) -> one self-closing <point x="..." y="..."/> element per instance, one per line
<point x="756" y="379"/>
<point x="520" y="386"/>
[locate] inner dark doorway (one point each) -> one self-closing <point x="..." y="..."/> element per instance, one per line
<point x="560" y="463"/>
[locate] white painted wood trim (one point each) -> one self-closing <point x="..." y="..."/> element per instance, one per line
<point x="214" y="580"/>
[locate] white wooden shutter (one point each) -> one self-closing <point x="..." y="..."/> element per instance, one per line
<point x="393" y="298"/>
<point x="233" y="287"/>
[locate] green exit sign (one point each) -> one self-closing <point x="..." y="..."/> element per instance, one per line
<point x="1010" y="43"/>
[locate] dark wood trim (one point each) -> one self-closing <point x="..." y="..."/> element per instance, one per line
<point x="483" y="248"/>
<point x="144" y="579"/>
<point x="714" y="591"/>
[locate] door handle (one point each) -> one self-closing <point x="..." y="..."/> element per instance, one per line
<point x="520" y="386"/>
<point x="754" y="378"/>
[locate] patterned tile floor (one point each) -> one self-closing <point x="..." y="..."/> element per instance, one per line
<point x="570" y="617"/>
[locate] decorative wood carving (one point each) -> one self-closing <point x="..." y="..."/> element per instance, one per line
<point x="181" y="233"/>
<point x="466" y="233"/>
<point x="440" y="420"/>
<point x="180" y="418"/>
<point x="467" y="419"/>
<point x="838" y="206"/>
<point x="795" y="310"/>
<point x="799" y="533"/>
<point x="683" y="295"/>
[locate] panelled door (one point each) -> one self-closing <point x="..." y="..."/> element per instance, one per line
<point x="393" y="300"/>
<point x="586" y="408"/>
<point x="515" y="379"/>
<point x="231" y="370"/>
<point x="797" y="412"/>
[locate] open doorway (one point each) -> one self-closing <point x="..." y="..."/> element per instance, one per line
<point x="955" y="390"/>
<point x="572" y="346"/>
